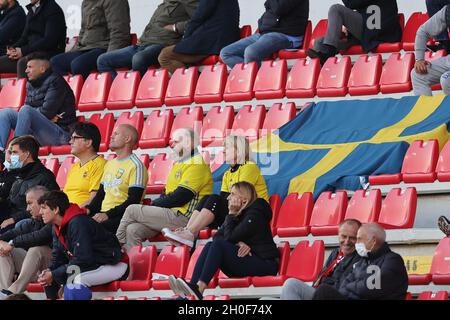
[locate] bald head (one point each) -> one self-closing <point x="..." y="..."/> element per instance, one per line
<point x="184" y="141"/>
<point x="123" y="139"/>
<point x="372" y="235"/>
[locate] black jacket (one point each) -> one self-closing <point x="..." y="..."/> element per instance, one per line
<point x="343" y="268"/>
<point x="7" y="179"/>
<point x="33" y="174"/>
<point x="252" y="227"/>
<point x="215" y="25"/>
<point x="390" y="27"/>
<point x="285" y="16"/>
<point x="45" y="29"/>
<point x="51" y="94"/>
<point x="82" y="242"/>
<point x="12" y="23"/>
<point x="393" y="282"/>
<point x="32" y="233"/>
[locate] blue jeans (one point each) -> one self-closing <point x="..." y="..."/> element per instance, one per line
<point x="433" y="6"/>
<point x="76" y="62"/>
<point x="30" y="121"/>
<point x="254" y="48"/>
<point x="138" y="58"/>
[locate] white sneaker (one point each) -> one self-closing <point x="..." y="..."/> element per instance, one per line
<point x="173" y="284"/>
<point x="183" y="236"/>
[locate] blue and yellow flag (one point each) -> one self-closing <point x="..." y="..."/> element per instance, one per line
<point x="334" y="145"/>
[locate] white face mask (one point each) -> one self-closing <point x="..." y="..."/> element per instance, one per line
<point x="361" y="249"/>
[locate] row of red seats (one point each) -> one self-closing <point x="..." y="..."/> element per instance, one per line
<point x="422" y="164"/>
<point x="428" y="295"/>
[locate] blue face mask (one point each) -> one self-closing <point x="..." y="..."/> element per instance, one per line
<point x="7" y="165"/>
<point x="15" y="162"/>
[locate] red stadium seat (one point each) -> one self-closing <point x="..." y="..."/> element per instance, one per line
<point x="302" y="79"/>
<point x="13" y="93"/>
<point x="365" y="76"/>
<point x="95" y="92"/>
<point x="364" y="206"/>
<point x="171" y="260"/>
<point x="420" y="162"/>
<point x="270" y="81"/>
<point x="301" y="52"/>
<point x="209" y="61"/>
<point x="123" y="90"/>
<point x="399" y="209"/>
<point x="269" y="281"/>
<point x="245" y="31"/>
<point x="156" y="129"/>
<point x="275" y="205"/>
<point x="191" y="266"/>
<point x="440" y="266"/>
<point x="52" y="165"/>
<point x="278" y="116"/>
<point x="248" y="122"/>
<point x="396" y="74"/>
<point x="142" y="264"/>
<point x="152" y="88"/>
<point x="295" y="214"/>
<point x="218" y="161"/>
<point x="158" y="171"/>
<point x="66" y="165"/>
<point x="181" y="88"/>
<point x="431" y="56"/>
<point x="333" y="77"/>
<point x="188" y="118"/>
<point x="145" y="158"/>
<point x="211" y="84"/>
<point x="328" y="212"/>
<point x="221" y="297"/>
<point x="217" y="122"/>
<point x="428" y="295"/>
<point x="133" y="39"/>
<point x="76" y="84"/>
<point x="105" y="124"/>
<point x="392" y="46"/>
<point x="409" y="34"/>
<point x="319" y="31"/>
<point x="136" y="120"/>
<point x="443" y="164"/>
<point x="239" y="86"/>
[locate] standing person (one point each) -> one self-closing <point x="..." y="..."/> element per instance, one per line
<point x="433" y="7"/>
<point x="12" y="23"/>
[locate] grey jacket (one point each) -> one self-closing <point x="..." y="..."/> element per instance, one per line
<point x="178" y="12"/>
<point x="105" y="24"/>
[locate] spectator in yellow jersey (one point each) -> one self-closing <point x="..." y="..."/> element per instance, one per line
<point x="189" y="181"/>
<point x="83" y="179"/>
<point x="123" y="182"/>
<point x="213" y="209"/>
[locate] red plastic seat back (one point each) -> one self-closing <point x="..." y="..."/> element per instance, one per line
<point x="277" y="116"/>
<point x="275" y="205"/>
<point x="76" y="84"/>
<point x="188" y="118"/>
<point x="239" y="86"/>
<point x="246" y="31"/>
<point x="217" y="122"/>
<point x="440" y="266"/>
<point x="306" y="261"/>
<point x="142" y="262"/>
<point x="364" y="206"/>
<point x="365" y="75"/>
<point x="52" y="165"/>
<point x="319" y="31"/>
<point x="172" y="260"/>
<point x="420" y="158"/>
<point x="152" y="88"/>
<point x="329" y="210"/>
<point x="428" y="295"/>
<point x="211" y="84"/>
<point x="159" y="169"/>
<point x="333" y="77"/>
<point x="270" y="81"/>
<point x="13" y="94"/>
<point x="180" y="90"/>
<point x="399" y="209"/>
<point x="302" y="79"/>
<point x="95" y="92"/>
<point x="409" y="33"/>
<point x="123" y="90"/>
<point x="193" y="261"/>
<point x="105" y="124"/>
<point x="248" y="121"/>
<point x="396" y="73"/>
<point x="136" y="120"/>
<point x="156" y="129"/>
<point x="66" y="165"/>
<point x="296" y="211"/>
<point x="443" y="164"/>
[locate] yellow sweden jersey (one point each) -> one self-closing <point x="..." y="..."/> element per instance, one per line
<point x="250" y="173"/>
<point x="193" y="174"/>
<point x="118" y="176"/>
<point x="82" y="180"/>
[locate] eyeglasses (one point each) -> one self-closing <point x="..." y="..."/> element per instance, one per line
<point x="72" y="138"/>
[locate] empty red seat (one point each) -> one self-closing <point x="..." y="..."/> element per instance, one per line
<point x="95" y="92"/>
<point x="248" y="121"/>
<point x="443" y="164"/>
<point x="171" y="261"/>
<point x="76" y="84"/>
<point x="13" y="93"/>
<point x="181" y="88"/>
<point x="239" y="86"/>
<point x="420" y="162"/>
<point x="105" y="124"/>
<point x="409" y="33"/>
<point x="136" y="120"/>
<point x="364" y="206"/>
<point x="333" y="77"/>
<point x="152" y="88"/>
<point x="211" y="84"/>
<point x="269" y="281"/>
<point x="277" y="116"/>
<point x="66" y="165"/>
<point x="52" y="165"/>
<point x="156" y="129"/>
<point x="301" y="52"/>
<point x="158" y="171"/>
<point x="399" y="209"/>
<point x="365" y="76"/>
<point x="270" y="81"/>
<point x="302" y="79"/>
<point x="191" y="267"/>
<point x="188" y="118"/>
<point x="440" y="266"/>
<point x="142" y="264"/>
<point x="295" y="214"/>
<point x="217" y="122"/>
<point x="428" y="295"/>
<point x="396" y="74"/>
<point x="275" y="205"/>
<point x="123" y="90"/>
<point x="328" y="212"/>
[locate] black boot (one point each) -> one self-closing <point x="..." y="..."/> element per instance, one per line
<point x="325" y="52"/>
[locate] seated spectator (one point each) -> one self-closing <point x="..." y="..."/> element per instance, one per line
<point x="123" y="182"/>
<point x="166" y="28"/>
<point x="213" y="209"/>
<point x="444" y="225"/>
<point x="25" y="250"/>
<point x="338" y="265"/>
<point x="426" y="73"/>
<point x="49" y="110"/>
<point x="95" y="254"/>
<point x="83" y="179"/>
<point x="7" y="178"/>
<point x="282" y="26"/>
<point x="379" y="275"/>
<point x="12" y="22"/>
<point x="45" y="31"/>
<point x="215" y="24"/>
<point x="28" y="172"/>
<point x="433" y="7"/>
<point x="359" y="27"/>
<point x="105" y="26"/>
<point x="242" y="247"/>
<point x="188" y="182"/>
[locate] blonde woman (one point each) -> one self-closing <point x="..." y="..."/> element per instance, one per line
<point x="213" y="209"/>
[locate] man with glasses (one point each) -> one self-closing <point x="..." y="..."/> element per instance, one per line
<point x="83" y="179"/>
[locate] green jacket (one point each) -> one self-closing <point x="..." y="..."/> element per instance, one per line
<point x="178" y="12"/>
<point x="105" y="24"/>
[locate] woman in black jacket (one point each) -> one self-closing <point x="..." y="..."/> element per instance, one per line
<point x="242" y="247"/>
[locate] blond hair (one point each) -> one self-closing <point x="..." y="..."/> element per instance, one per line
<point x="247" y="191"/>
<point x="241" y="147"/>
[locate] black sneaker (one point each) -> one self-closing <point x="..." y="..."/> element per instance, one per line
<point x="322" y="56"/>
<point x="189" y="289"/>
<point x="444" y="225"/>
